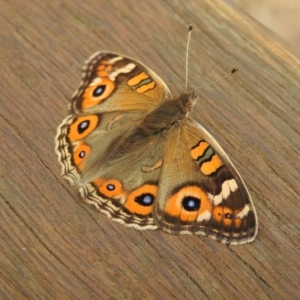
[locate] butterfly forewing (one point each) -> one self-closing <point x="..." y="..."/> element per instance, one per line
<point x="113" y="82"/>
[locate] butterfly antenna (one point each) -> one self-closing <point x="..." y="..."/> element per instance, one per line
<point x="234" y="70"/>
<point x="187" y="57"/>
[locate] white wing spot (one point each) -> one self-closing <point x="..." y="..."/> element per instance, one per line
<point x="244" y="212"/>
<point x="126" y="69"/>
<point x="233" y="185"/>
<point x="96" y="81"/>
<point x="226" y="189"/>
<point x="113" y="60"/>
<point x="228" y="186"/>
<point x="206" y="215"/>
<point x="217" y="199"/>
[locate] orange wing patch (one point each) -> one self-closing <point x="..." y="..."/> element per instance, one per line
<point x="137" y="79"/>
<point x="210" y="167"/>
<point x="198" y="150"/>
<point x="141" y="82"/>
<point x="209" y="162"/>
<point x="104" y="68"/>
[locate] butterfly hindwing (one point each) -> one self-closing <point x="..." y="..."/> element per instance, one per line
<point x="126" y="185"/>
<point x="208" y="196"/>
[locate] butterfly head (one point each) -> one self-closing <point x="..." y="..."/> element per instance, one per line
<point x="186" y="102"/>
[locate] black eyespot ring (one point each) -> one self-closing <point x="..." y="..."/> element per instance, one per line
<point x="228" y="216"/>
<point x="190" y="203"/>
<point x="145" y="199"/>
<point x="99" y="90"/>
<point x="82" y="154"/>
<point x="110" y="187"/>
<point x="83" y="126"/>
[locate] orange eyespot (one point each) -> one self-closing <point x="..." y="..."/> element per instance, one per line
<point x="109" y="188"/>
<point x="188" y="204"/>
<point x="97" y="92"/>
<point x="226" y="216"/>
<point x="140" y="201"/>
<point x="80" y="155"/>
<point x="82" y="127"/>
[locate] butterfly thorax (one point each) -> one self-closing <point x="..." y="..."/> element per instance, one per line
<point x="167" y="113"/>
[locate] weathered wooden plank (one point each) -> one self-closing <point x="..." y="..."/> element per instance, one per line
<point x="56" y="247"/>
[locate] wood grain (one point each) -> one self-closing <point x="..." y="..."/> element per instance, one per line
<point x="53" y="246"/>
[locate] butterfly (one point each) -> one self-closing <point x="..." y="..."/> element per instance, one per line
<point x="135" y="154"/>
